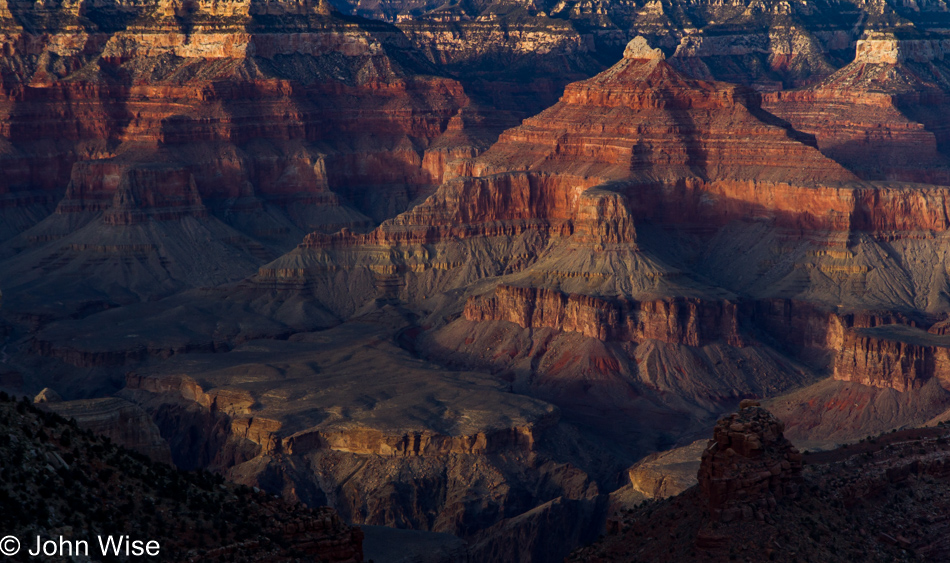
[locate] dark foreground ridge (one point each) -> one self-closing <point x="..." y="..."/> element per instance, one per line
<point x="881" y="500"/>
<point x="60" y="481"/>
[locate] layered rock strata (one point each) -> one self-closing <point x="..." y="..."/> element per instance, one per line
<point x="539" y="170"/>
<point x="769" y="44"/>
<point x="691" y="322"/>
<point x="881" y="115"/>
<point x="585" y="170"/>
<point x="893" y="356"/>
<point x="278" y="130"/>
<point x="211" y="127"/>
<point x="801" y="328"/>
<point x="417" y="446"/>
<point x="706" y="174"/>
<point x="270" y="438"/>
<point x="776" y="57"/>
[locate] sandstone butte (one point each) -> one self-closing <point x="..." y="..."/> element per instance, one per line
<point x="639" y="125"/>
<point x="881" y="115"/>
<point x="661" y="147"/>
<point x="637" y="141"/>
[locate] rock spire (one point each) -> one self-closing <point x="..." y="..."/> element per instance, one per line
<point x="748" y="465"/>
<point x="639" y="48"/>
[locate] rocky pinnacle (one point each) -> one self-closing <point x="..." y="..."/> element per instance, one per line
<point x="638" y="48"/>
<point x="748" y="465"/>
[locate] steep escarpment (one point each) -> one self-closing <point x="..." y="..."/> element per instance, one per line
<point x="693" y="355"/>
<point x="491" y="54"/>
<point x="770" y="44"/>
<point x="768" y="52"/>
<point x="883" y="377"/>
<point x="608" y="385"/>
<point x="120" y="421"/>
<point x="802" y="329"/>
<point x="676" y="321"/>
<point x="234" y="109"/>
<point x="898" y="357"/>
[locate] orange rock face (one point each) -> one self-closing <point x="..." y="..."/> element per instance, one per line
<point x="642" y="120"/>
<point x="671" y="149"/>
<point x="556" y="205"/>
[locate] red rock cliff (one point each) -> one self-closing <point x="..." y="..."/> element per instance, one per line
<point x="899" y="357"/>
<point x="681" y="320"/>
<point x="222" y="100"/>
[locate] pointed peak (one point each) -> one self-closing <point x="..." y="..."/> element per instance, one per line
<point x="639" y="48"/>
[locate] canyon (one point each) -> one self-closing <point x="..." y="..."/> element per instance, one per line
<point x="473" y="269"/>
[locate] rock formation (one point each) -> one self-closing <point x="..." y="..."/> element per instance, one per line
<point x="245" y="134"/>
<point x="773" y="45"/>
<point x="611" y="131"/>
<point x="666" y="474"/>
<point x="898" y="357"/>
<point x="420" y="452"/>
<point x="848" y="507"/>
<point x="748" y="466"/>
<point x="880" y="115"/>
<point x="47" y="395"/>
<point x="772" y="56"/>
<point x="639" y="48"/>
